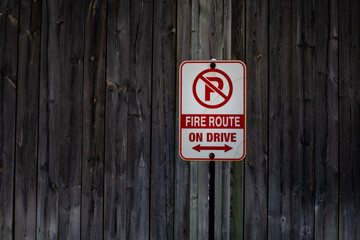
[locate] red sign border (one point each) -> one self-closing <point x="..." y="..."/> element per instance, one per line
<point x="180" y="111"/>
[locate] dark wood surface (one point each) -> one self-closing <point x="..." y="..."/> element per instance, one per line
<point x="139" y="120"/>
<point x="223" y="173"/>
<point x="163" y="118"/>
<point x="349" y="115"/>
<point x="280" y="59"/>
<point x="303" y="121"/>
<point x="60" y="120"/>
<point x="92" y="191"/>
<point x="237" y="168"/>
<point x="257" y="149"/>
<point x="326" y="123"/>
<point x="116" y="119"/>
<point x="48" y="164"/>
<point x="184" y="201"/>
<point x="9" y="27"/>
<point x="89" y="120"/>
<point x="27" y="119"/>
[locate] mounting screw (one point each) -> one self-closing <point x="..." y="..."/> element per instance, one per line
<point x="212" y="156"/>
<point x="212" y="65"/>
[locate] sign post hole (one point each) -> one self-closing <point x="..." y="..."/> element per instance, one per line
<point x="212" y="111"/>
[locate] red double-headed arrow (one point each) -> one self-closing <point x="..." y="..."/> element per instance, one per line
<point x="199" y="148"/>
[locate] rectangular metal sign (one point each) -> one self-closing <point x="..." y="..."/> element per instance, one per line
<point x="212" y="115"/>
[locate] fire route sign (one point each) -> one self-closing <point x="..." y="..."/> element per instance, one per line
<point x="212" y="114"/>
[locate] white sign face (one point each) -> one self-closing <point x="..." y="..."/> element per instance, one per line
<point x="212" y="111"/>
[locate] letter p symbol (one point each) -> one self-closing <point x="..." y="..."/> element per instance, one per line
<point x="208" y="90"/>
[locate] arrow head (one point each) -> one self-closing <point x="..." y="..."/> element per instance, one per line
<point x="227" y="148"/>
<point x="197" y="148"/>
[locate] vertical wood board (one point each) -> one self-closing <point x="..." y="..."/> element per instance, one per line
<point x="255" y="215"/>
<point x="9" y="24"/>
<point x="163" y="119"/>
<point x="93" y="120"/>
<point x="280" y="154"/>
<point x="27" y="120"/>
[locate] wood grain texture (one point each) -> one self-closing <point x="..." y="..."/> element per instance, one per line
<point x="225" y="188"/>
<point x="216" y="17"/>
<point x="326" y="130"/>
<point x="194" y="176"/>
<point x="27" y="120"/>
<point x="217" y="224"/>
<point x="349" y="115"/>
<point x="280" y="80"/>
<point x="203" y="200"/>
<point x="193" y="181"/>
<point x="139" y="120"/>
<point x="60" y="130"/>
<point x="193" y="201"/>
<point x="210" y="46"/>
<point x="48" y="166"/>
<point x="183" y="199"/>
<point x="237" y="168"/>
<point x="238" y="29"/>
<point x="211" y="29"/>
<point x="116" y="142"/>
<point x="256" y="161"/>
<point x="163" y="119"/>
<point x="9" y="15"/>
<point x="303" y="121"/>
<point x="70" y="108"/>
<point x="93" y="120"/>
<point x="89" y="119"/>
<point x="225" y="201"/>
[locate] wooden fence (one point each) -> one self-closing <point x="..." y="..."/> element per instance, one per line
<point x="88" y="120"/>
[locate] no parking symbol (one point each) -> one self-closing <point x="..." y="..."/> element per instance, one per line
<point x="211" y="88"/>
<point x="212" y="110"/>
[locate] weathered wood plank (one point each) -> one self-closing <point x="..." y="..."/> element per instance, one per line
<point x="163" y="119"/>
<point x="216" y="20"/>
<point x="116" y="144"/>
<point x="217" y="224"/>
<point x="227" y="26"/>
<point x="27" y="119"/>
<point x="237" y="168"/>
<point x="203" y="200"/>
<point x="211" y="29"/>
<point x="60" y="130"/>
<point x="280" y="68"/>
<point x="9" y="15"/>
<point x="194" y="193"/>
<point x="224" y="224"/>
<point x="303" y="121"/>
<point x="139" y="120"/>
<point x="204" y="51"/>
<point x="349" y="117"/>
<point x="326" y="130"/>
<point x="48" y="177"/>
<point x="93" y="120"/>
<point x="70" y="108"/>
<point x="210" y="46"/>
<point x="183" y="200"/>
<point x="213" y="212"/>
<point x="193" y="201"/>
<point x="255" y="216"/>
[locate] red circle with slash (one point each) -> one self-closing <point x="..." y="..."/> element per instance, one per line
<point x="215" y="89"/>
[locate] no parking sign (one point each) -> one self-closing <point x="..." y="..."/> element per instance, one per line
<point x="212" y="114"/>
